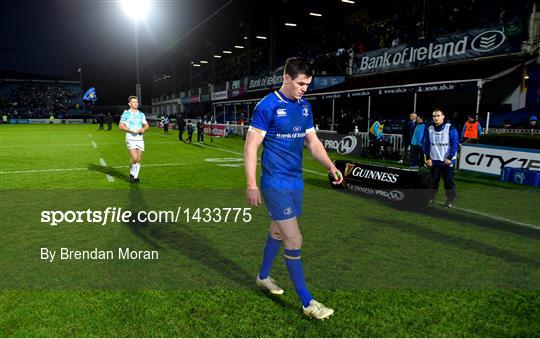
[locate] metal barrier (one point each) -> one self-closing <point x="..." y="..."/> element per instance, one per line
<point x="513" y="131"/>
<point x="396" y="140"/>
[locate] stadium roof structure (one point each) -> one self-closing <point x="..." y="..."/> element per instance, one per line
<point x="460" y="75"/>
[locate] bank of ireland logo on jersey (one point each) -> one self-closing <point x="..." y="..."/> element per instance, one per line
<point x="305" y="111"/>
<point x="281" y="112"/>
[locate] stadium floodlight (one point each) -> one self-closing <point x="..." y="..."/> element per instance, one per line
<point x="203" y="62"/>
<point x="227" y="52"/>
<point x="135" y="9"/>
<point x="196" y="65"/>
<point x="290" y="24"/>
<point x="245" y="38"/>
<point x="217" y="56"/>
<point x="315" y="14"/>
<point x="348" y="1"/>
<point x="238" y="46"/>
<point x="261" y="37"/>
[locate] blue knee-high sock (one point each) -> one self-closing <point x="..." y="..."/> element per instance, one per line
<point x="296" y="272"/>
<point x="270" y="251"/>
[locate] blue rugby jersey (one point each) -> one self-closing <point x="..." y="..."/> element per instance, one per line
<point x="284" y="123"/>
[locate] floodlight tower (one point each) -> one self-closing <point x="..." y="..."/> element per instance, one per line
<point x="136" y="10"/>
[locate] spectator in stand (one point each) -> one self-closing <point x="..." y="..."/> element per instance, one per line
<point x="472" y="130"/>
<point x="407" y="133"/>
<point x="533" y="123"/>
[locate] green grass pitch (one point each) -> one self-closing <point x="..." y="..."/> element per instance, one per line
<point x="469" y="271"/>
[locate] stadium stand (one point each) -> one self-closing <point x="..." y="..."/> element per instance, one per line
<point x="39" y="98"/>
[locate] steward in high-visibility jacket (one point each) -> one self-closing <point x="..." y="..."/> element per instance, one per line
<point x="472" y="130"/>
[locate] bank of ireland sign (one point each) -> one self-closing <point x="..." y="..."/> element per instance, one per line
<point x="471" y="44"/>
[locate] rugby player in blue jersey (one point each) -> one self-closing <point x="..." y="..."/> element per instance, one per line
<point x="282" y="122"/>
<point x="134" y="123"/>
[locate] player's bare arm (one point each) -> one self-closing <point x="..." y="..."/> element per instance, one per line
<point x="143" y="129"/>
<point x="316" y="148"/>
<point x="253" y="141"/>
<point x="124" y="127"/>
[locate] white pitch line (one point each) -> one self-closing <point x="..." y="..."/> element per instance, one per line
<point x="94" y="144"/>
<point x="101" y="143"/>
<point x="46" y="170"/>
<point x="536" y="227"/>
<point x="314" y="172"/>
<point x="85" y="168"/>
<point x="104" y="164"/>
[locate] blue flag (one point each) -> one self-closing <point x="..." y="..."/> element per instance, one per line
<point x="90" y="95"/>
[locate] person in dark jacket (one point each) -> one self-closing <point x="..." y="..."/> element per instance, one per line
<point x="417" y="142"/>
<point x="408" y="131"/>
<point x="189" y="131"/>
<point x="200" y="131"/>
<point x="441" y="142"/>
<point x="181" y="126"/>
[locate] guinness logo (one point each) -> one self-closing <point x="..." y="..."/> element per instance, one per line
<point x="348" y="168"/>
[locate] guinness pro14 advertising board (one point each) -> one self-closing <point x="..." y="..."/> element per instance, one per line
<point x="396" y="185"/>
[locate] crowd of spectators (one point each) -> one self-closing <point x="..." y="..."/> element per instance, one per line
<point x="329" y="44"/>
<point x="38" y="100"/>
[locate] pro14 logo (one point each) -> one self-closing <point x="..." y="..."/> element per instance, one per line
<point x="344" y="146"/>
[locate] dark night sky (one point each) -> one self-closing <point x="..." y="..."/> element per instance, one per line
<point x="54" y="37"/>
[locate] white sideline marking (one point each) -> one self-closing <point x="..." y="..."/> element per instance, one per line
<point x="46" y="170"/>
<point x="495" y="217"/>
<point x="314" y="172"/>
<point x="104" y="164"/>
<point x="94" y="144"/>
<point x="101" y="143"/>
<point x="85" y="168"/>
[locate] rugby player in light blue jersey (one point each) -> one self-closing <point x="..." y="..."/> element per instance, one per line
<point x="134" y="123"/>
<point x="282" y="122"/>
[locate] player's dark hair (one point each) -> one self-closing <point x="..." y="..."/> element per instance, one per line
<point x="131" y="97"/>
<point x="296" y="66"/>
<point x="438" y="110"/>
